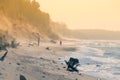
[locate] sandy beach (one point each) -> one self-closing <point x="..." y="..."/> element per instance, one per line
<point x="39" y="63"/>
<point x="59" y="40"/>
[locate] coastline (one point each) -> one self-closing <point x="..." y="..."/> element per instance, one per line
<point x="40" y="63"/>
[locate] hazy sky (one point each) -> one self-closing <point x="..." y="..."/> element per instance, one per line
<point x="84" y="14"/>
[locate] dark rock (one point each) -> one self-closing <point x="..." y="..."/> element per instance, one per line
<point x="18" y="63"/>
<point x="80" y="73"/>
<point x="47" y="48"/>
<point x="53" y="61"/>
<point x="0" y="73"/>
<point x="43" y="76"/>
<point x="64" y="67"/>
<point x="58" y="68"/>
<point x="59" y="58"/>
<point x="98" y="65"/>
<point x="41" y="58"/>
<point x="9" y="62"/>
<point x="62" y="63"/>
<point x="44" y="73"/>
<point x="76" y="79"/>
<point x="22" y="77"/>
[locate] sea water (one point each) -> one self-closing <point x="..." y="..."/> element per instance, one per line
<point x="99" y="58"/>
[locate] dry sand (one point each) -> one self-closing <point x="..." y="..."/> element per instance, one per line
<point x="39" y="63"/>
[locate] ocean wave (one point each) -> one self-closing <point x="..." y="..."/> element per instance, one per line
<point x="99" y="58"/>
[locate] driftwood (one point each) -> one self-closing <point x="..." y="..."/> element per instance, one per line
<point x="72" y="64"/>
<point x="3" y="57"/>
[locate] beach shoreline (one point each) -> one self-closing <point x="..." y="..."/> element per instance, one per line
<point x="40" y="63"/>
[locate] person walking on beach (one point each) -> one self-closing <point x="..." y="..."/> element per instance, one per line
<point x="60" y="42"/>
<point x="38" y="40"/>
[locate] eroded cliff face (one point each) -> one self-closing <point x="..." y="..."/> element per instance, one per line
<point x="23" y="19"/>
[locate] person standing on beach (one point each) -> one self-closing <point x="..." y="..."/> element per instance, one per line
<point x="38" y="40"/>
<point x="60" y="42"/>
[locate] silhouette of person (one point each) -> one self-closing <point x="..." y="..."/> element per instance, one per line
<point x="60" y="42"/>
<point x="38" y="41"/>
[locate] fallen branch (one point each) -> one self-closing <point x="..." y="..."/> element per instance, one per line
<point x="3" y="57"/>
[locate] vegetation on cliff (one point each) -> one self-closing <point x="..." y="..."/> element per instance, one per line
<point x="24" y="18"/>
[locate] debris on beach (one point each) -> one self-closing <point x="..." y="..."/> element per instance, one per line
<point x="47" y="48"/>
<point x="22" y="77"/>
<point x="72" y="64"/>
<point x="4" y="55"/>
